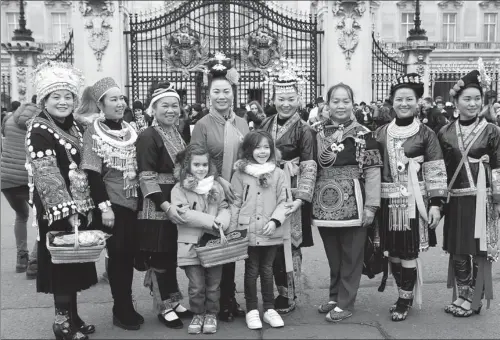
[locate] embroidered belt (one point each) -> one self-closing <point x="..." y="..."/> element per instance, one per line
<point x="340" y="172"/>
<point x="164" y="178"/>
<point x="400" y="212"/>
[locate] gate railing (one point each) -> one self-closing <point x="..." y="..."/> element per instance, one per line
<point x="5" y="88"/>
<point x="63" y="52"/>
<point x="174" y="46"/>
<point x="384" y="70"/>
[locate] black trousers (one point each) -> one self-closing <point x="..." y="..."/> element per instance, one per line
<point x="164" y="265"/>
<point x="228" y="286"/>
<point x="122" y="247"/>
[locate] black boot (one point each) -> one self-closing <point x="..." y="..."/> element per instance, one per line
<point x="124" y="316"/>
<point x="63" y="329"/>
<point x="396" y="273"/>
<point x="405" y="301"/>
<point x="77" y="322"/>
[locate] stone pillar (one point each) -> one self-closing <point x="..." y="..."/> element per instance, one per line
<point x="23" y="51"/>
<point x="346" y="49"/>
<point x="100" y="52"/>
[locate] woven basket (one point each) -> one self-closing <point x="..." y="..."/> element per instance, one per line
<point x="73" y="254"/>
<point x="226" y="249"/>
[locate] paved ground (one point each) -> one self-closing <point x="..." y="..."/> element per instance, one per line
<point x="28" y="315"/>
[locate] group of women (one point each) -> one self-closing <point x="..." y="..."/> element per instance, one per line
<point x="344" y="179"/>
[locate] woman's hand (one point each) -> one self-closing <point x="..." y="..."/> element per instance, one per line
<point x="434" y="216"/>
<point x="108" y="218"/>
<point x="368" y="217"/>
<point x="292" y="207"/>
<point x="74" y="221"/>
<point x="174" y="214"/>
<point x="269" y="228"/>
<point x="228" y="189"/>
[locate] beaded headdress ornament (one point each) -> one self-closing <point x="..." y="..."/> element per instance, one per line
<point x="475" y="78"/>
<point x="102" y="86"/>
<point x="220" y="66"/>
<point x="53" y="76"/>
<point x="410" y="80"/>
<point x="286" y="75"/>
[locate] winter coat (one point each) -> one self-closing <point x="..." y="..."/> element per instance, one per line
<point x="203" y="209"/>
<point x="13" y="160"/>
<point x="256" y="205"/>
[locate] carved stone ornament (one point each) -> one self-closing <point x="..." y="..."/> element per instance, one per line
<point x="406" y="4"/>
<point x="185" y="51"/>
<point x="52" y="3"/>
<point x="21" y="83"/>
<point x="263" y="49"/>
<point x="490" y="4"/>
<point x="14" y="2"/>
<point x="98" y="26"/>
<point x="348" y="25"/>
<point x="455" y="3"/>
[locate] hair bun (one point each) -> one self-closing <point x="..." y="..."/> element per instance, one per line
<point x="164" y="85"/>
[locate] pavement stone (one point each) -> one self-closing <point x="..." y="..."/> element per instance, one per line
<point x="28" y="315"/>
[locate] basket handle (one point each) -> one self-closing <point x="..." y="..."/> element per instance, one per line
<point x="77" y="244"/>
<point x="223" y="239"/>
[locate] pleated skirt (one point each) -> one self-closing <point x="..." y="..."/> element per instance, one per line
<point x="157" y="236"/>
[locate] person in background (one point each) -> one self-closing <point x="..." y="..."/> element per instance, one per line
<point x="196" y="114"/>
<point x="4" y="114"/>
<point x="432" y="116"/>
<point x="255" y="115"/>
<point x="15" y="183"/>
<point x="183" y="125"/>
<point x="128" y="115"/>
<point x="141" y="121"/>
<point x="242" y="112"/>
<point x="316" y="111"/>
<point x="88" y="110"/>
<point x="270" y="109"/>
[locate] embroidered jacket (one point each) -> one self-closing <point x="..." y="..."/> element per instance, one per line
<point x="52" y="147"/>
<point x="349" y="175"/>
<point x="258" y="203"/>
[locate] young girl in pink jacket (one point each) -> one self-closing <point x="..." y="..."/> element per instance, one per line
<point x="260" y="207"/>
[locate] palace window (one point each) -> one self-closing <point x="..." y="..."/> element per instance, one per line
<point x="490" y="27"/>
<point x="449" y="26"/>
<point x="12" y="24"/>
<point x="60" y="27"/>
<point x="406" y="24"/>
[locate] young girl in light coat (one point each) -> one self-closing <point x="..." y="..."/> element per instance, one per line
<point x="261" y="208"/>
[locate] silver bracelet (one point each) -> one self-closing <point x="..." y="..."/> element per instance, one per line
<point x="104" y="206"/>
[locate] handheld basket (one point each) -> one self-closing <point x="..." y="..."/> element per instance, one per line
<point x="226" y="249"/>
<point x="75" y="253"/>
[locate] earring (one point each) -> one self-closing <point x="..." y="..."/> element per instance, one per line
<point x="155" y="122"/>
<point x="101" y="115"/>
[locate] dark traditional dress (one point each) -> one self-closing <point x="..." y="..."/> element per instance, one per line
<point x="413" y="174"/>
<point x="52" y="147"/>
<point x="156" y="234"/>
<point x="472" y="156"/>
<point x="348" y="181"/>
<point x="295" y="139"/>
<point x="109" y="158"/>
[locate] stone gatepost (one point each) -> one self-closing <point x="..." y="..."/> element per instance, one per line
<point x="100" y="51"/>
<point x="417" y="51"/>
<point x="23" y="51"/>
<point x="346" y="49"/>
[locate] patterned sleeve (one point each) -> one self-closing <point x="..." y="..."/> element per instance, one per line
<point x="147" y="158"/>
<point x="90" y="158"/>
<point x="47" y="178"/>
<point x="308" y="167"/>
<point x="371" y="155"/>
<point x="434" y="170"/>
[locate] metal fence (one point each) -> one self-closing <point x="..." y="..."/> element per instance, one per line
<point x="174" y="46"/>
<point x="384" y="70"/>
<point x="5" y="88"/>
<point x="67" y="52"/>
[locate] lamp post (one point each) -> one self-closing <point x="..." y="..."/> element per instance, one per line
<point x="22" y="33"/>
<point x="417" y="33"/>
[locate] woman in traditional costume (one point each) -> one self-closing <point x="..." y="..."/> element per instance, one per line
<point x="295" y="140"/>
<point x="413" y="191"/>
<point x="59" y="190"/>
<point x="471" y="148"/>
<point x="109" y="157"/>
<point x="156" y="148"/>
<point x="346" y="197"/>
<point x="221" y="133"/>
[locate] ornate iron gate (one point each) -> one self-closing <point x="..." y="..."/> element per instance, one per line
<point x="384" y="70"/>
<point x="175" y="45"/>
<point x="5" y="89"/>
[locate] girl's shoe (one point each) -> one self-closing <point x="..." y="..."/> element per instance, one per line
<point x="170" y="319"/>
<point x="62" y="327"/>
<point x="253" y="319"/>
<point x="461" y="312"/>
<point x="210" y="324"/>
<point x="196" y="324"/>
<point x="182" y="312"/>
<point x="451" y="308"/>
<point x="272" y="318"/>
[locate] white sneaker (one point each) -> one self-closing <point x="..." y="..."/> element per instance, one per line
<point x="253" y="319"/>
<point x="273" y="318"/>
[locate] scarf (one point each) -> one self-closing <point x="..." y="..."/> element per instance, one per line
<point x="201" y="187"/>
<point x="232" y="139"/>
<point x="257" y="170"/>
